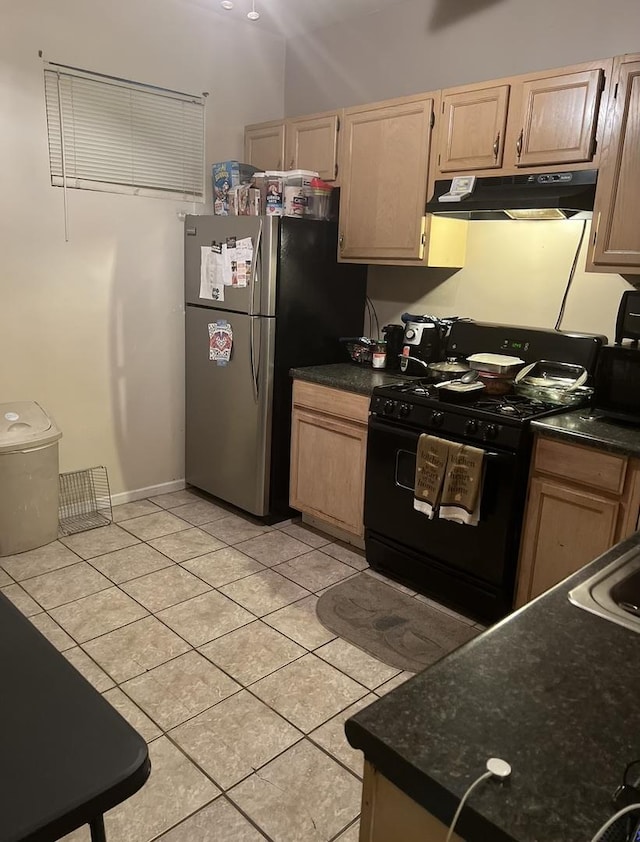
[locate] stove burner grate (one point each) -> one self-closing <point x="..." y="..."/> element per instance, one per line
<point x="514" y="406"/>
<point x="424" y="388"/>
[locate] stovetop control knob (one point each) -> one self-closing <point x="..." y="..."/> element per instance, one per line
<point x="491" y="431"/>
<point x="388" y="407"/>
<point x="405" y="409"/>
<point x="471" y="426"/>
<point x="437" y="419"/>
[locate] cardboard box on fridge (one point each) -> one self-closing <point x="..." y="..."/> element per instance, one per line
<point x="255" y="201"/>
<point x="274" y="194"/>
<point x="224" y="176"/>
<point x="238" y="200"/>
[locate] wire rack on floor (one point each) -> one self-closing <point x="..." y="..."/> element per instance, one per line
<point x="85" y="501"/>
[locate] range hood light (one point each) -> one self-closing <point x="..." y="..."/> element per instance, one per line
<point x="536" y="213"/>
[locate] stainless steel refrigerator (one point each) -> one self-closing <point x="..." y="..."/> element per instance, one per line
<point x="299" y="300"/>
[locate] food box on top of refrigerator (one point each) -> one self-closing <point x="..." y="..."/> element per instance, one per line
<point x="273" y="186"/>
<point x="224" y="176"/>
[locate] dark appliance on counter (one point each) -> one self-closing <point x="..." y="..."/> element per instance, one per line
<point x="424" y="342"/>
<point x="393" y="336"/>
<point x="471" y="568"/>
<point x="628" y="320"/>
<point x="617" y="378"/>
<point x="238" y="415"/>
<point x="421" y="343"/>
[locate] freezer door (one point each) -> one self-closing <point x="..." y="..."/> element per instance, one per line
<point x="259" y="296"/>
<point x="228" y="410"/>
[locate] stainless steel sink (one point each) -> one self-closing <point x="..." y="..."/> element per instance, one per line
<point x="613" y="592"/>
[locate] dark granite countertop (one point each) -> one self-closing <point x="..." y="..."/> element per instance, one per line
<point x="583" y="426"/>
<point x="347" y="376"/>
<point x="551" y="689"/>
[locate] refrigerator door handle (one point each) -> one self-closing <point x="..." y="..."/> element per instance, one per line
<point x="255" y="363"/>
<point x="255" y="279"/>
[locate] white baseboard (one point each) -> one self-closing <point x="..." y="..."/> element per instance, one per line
<point x="150" y="491"/>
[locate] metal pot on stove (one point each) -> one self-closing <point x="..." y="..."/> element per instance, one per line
<point x="449" y="369"/>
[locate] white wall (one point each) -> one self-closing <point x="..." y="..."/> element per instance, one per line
<point x="515" y="273"/>
<point x="423" y="45"/>
<point x="93" y="329"/>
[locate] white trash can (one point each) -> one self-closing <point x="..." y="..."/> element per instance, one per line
<point x="28" y="477"/>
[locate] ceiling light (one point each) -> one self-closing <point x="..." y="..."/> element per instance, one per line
<point x="227" y="4"/>
<point x="253" y="15"/>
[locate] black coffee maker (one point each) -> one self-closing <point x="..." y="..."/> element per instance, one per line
<point x="394" y="337"/>
<point x="423" y="343"/>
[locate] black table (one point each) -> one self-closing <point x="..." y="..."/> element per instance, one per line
<point x="66" y="756"/>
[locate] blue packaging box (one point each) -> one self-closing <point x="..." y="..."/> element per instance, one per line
<point x="224" y="176"/>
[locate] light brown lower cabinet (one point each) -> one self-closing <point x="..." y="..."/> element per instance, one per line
<point x="581" y="501"/>
<point x="328" y="454"/>
<point x="388" y="815"/>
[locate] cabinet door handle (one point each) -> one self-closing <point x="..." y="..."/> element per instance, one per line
<point x="336" y="171"/>
<point x="519" y="143"/>
<point x="496" y="146"/>
<point x="291" y="164"/>
<point x="341" y="241"/>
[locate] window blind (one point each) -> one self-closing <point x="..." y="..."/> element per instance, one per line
<point x="120" y="136"/>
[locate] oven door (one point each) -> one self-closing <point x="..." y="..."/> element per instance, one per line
<point x="486" y="552"/>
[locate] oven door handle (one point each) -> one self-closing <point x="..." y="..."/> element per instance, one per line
<point x="495" y="457"/>
<point x="376" y="423"/>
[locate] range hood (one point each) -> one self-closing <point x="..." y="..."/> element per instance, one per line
<point x="533" y="196"/>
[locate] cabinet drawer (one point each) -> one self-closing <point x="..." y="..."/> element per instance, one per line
<point x="331" y="401"/>
<point x="594" y="468"/>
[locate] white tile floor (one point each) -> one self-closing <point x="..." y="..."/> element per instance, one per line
<point x="199" y="626"/>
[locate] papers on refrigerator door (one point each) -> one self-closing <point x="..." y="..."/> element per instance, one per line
<point x="238" y="258"/>
<point x="212" y="272"/>
<point x="220" y="342"/>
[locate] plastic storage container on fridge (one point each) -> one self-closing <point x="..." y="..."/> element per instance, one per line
<point x="296" y="186"/>
<point x="299" y="178"/>
<point x="28" y="477"/>
<point x="319" y="202"/>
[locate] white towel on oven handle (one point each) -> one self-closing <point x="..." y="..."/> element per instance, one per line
<point x="458" y="513"/>
<point x="431" y="464"/>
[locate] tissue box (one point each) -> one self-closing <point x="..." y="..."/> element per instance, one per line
<point x="224" y="176"/>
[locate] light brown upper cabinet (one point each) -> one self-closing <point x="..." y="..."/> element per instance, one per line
<point x="264" y="145"/>
<point x="615" y="246"/>
<point x="385" y="154"/>
<point x="558" y="118"/>
<point x="473" y="128"/>
<point x="302" y="143"/>
<point x="543" y="121"/>
<point x="312" y="144"/>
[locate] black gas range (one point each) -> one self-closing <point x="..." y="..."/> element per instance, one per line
<point x="471" y="568"/>
<point x="498" y="421"/>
